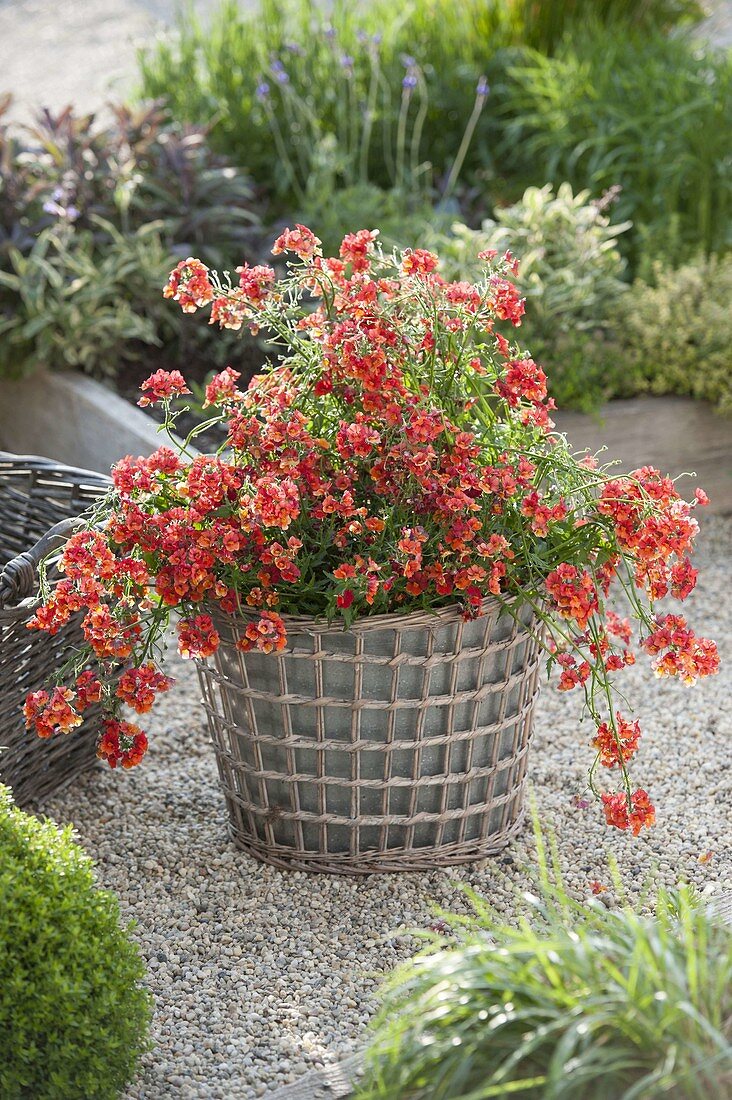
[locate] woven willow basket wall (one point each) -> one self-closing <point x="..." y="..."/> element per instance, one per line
<point x="398" y="744"/>
<point x="35" y="494"/>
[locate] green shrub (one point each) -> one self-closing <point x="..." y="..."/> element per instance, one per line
<point x="91" y="221"/>
<point x="211" y="72"/>
<point x="676" y="335"/>
<point x="650" y="113"/>
<point x="283" y="82"/>
<point x="577" y="1003"/>
<point x="78" y="301"/>
<point x="572" y="276"/>
<point x="141" y="167"/>
<point x="571" y="268"/>
<point x="18" y="190"/>
<point x="336" y="72"/>
<point x="402" y="222"/>
<point x="73" y="1015"/>
<point x="543" y="25"/>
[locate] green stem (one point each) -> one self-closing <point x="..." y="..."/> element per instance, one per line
<point x="457" y="164"/>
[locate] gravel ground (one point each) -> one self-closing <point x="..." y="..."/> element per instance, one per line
<point x="260" y="975"/>
<point x="55" y="52"/>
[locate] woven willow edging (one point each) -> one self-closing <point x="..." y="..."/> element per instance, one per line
<point x="398" y="744"/>
<point x="35" y="494"/>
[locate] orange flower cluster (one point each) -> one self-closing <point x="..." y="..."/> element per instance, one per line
<point x="574" y="593"/>
<point x="121" y="743"/>
<point x="635" y="816"/>
<point x="617" y="744"/>
<point x="677" y="651"/>
<point x="139" y="687"/>
<point x="49" y="713"/>
<point x="399" y="456"/>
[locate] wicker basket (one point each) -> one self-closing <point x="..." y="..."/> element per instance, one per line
<point x="398" y="744"/>
<point x="35" y="495"/>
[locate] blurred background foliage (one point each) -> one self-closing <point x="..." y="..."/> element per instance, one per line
<point x="593" y="140"/>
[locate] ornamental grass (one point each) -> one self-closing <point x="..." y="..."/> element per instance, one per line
<point x="575" y="1002"/>
<point x="397" y="454"/>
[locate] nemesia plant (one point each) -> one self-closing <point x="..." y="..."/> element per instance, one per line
<point x="399" y="455"/>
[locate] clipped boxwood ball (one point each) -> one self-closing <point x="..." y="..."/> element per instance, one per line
<point x="74" y="1017"/>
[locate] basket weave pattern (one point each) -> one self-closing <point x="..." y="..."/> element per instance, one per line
<point x="35" y="494"/>
<point x="398" y="744"/>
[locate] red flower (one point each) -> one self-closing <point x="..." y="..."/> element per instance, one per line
<point x="617" y="813"/>
<point x="573" y="593"/>
<point x="300" y="240"/>
<point x="523" y="381"/>
<point x="266" y="635"/>
<point x="222" y="388"/>
<point x="356" y="248"/>
<point x="677" y="651"/>
<point x="68" y="598"/>
<point x="255" y="283"/>
<point x="619" y="744"/>
<point x="121" y="743"/>
<point x="110" y="634"/>
<point x="540" y="514"/>
<point x="505" y="300"/>
<point x="88" y="690"/>
<point x="139" y="687"/>
<point x="229" y="311"/>
<point x="574" y="673"/>
<point x="418" y="261"/>
<point x="162" y="386"/>
<point x="190" y="285"/>
<point x="49" y="714"/>
<point x="198" y="637"/>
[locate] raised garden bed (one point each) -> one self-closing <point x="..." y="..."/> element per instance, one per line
<point x="672" y="433"/>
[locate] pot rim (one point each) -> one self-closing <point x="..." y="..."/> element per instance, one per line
<point x="303" y="624"/>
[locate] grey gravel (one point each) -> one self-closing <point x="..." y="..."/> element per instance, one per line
<point x="260" y="975"/>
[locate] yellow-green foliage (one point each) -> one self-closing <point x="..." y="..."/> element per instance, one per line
<point x="571" y="269"/>
<point x="677" y="333"/>
<point x="572" y="276"/>
<point x="74" y="1017"/>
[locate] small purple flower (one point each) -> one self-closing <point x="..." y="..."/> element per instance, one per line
<point x="294" y="47"/>
<point x="347" y="63"/>
<point x="70" y="213"/>
<point x="408" y="61"/>
<point x="361" y="36"/>
<point x="330" y="32"/>
<point x="409" y="81"/>
<point x="483" y="87"/>
<point x="262" y="91"/>
<point x="376" y="38"/>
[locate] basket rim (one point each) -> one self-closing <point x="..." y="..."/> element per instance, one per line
<point x="305" y="624"/>
<point x="73" y="477"/>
